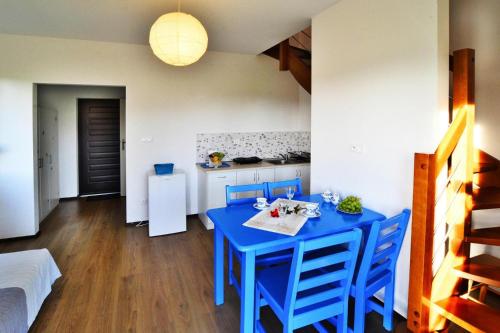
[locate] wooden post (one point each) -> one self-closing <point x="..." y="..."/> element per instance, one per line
<point x="284" y="49"/>
<point x="463" y="95"/>
<point x="420" y="281"/>
<point x="463" y="79"/>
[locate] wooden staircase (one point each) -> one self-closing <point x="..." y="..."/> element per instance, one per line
<point x="294" y="55"/>
<point x="443" y="276"/>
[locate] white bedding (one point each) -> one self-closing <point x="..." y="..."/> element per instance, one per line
<point x="34" y="271"/>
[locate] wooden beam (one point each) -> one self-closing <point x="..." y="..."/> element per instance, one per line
<point x="284" y="50"/>
<point x="299" y="70"/>
<point x="463" y="79"/>
<point x="420" y="284"/>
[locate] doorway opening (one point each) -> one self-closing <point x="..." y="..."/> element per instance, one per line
<point x="60" y="141"/>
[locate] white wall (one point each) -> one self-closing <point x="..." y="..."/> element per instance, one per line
<point x="64" y="99"/>
<point x="18" y="198"/>
<point x="379" y="80"/>
<point x="304" y="108"/>
<point x="222" y="92"/>
<point x="476" y="25"/>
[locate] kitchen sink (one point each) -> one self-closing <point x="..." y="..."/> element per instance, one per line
<point x="283" y="162"/>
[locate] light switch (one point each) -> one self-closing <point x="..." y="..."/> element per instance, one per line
<point x="357" y="148"/>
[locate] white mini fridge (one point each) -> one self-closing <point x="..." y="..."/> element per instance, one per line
<point x="167" y="203"/>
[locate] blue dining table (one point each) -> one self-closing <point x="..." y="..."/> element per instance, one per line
<point x="251" y="242"/>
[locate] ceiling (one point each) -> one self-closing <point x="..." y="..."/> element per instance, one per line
<point x="242" y="26"/>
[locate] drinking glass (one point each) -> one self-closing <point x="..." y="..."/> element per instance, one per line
<point x="290" y="192"/>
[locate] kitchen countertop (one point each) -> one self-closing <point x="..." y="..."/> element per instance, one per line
<point x="235" y="166"/>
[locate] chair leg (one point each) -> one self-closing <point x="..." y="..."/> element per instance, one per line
<point x="287" y="328"/>
<point x="258" y="326"/>
<point x="359" y="313"/>
<point x="389" y="304"/>
<point x="341" y="324"/>
<point x="230" y="264"/>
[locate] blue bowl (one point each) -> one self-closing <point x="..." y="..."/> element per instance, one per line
<point x="164" y="168"/>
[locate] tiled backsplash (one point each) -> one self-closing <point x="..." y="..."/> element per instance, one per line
<point x="261" y="144"/>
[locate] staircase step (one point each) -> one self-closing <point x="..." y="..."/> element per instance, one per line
<point x="472" y="316"/>
<point x="488" y="236"/>
<point x="485" y="167"/>
<point x="486" y="198"/>
<point x="483" y="268"/>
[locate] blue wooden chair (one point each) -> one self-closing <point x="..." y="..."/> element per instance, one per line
<point x="378" y="269"/>
<point x="263" y="260"/>
<point x="284" y="184"/>
<point x="310" y="289"/>
<point x="238" y="189"/>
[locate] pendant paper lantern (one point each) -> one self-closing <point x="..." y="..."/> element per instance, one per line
<point x="178" y="39"/>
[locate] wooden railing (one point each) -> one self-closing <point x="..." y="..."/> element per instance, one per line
<point x="442" y="204"/>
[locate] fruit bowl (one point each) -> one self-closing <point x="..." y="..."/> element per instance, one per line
<point x="350" y="205"/>
<point x="216" y="158"/>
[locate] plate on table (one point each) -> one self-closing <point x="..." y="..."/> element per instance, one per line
<point x="316" y="214"/>
<point x="261" y="207"/>
<point x="350" y="213"/>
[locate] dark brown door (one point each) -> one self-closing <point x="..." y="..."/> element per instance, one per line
<point x="99" y="145"/>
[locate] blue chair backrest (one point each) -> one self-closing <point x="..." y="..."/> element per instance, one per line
<point x="231" y="190"/>
<point x="319" y="284"/>
<point x="284" y="184"/>
<point x="383" y="247"/>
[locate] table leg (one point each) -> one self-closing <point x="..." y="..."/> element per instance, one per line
<point x="218" y="266"/>
<point x="247" y="292"/>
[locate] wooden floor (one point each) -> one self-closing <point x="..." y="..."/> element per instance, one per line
<point x="117" y="279"/>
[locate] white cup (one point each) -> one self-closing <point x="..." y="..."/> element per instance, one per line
<point x="327" y="196"/>
<point x="311" y="208"/>
<point x="261" y="202"/>
<point x="335" y="198"/>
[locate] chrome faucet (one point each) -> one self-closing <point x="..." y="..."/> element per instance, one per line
<point x="284" y="156"/>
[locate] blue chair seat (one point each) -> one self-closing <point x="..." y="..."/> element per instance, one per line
<point x="373" y="283"/>
<point x="273" y="283"/>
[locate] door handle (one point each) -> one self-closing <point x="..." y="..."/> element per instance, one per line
<point x="123" y="144"/>
<point x="40" y="163"/>
<point x="258" y="176"/>
<point x="222" y="177"/>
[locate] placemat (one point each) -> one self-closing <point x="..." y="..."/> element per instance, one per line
<point x="289" y="224"/>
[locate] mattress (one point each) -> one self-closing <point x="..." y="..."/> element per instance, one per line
<point x="33" y="271"/>
<point x="13" y="311"/>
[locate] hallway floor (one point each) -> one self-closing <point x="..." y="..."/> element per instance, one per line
<point x="117" y="279"/>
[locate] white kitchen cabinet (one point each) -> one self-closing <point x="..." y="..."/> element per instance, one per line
<point x="286" y="173"/>
<point x="245" y="177"/>
<point x="253" y="176"/>
<point x="295" y="171"/>
<point x="212" y="184"/>
<point x="212" y="192"/>
<point x="304" y="172"/>
<point x="265" y="175"/>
